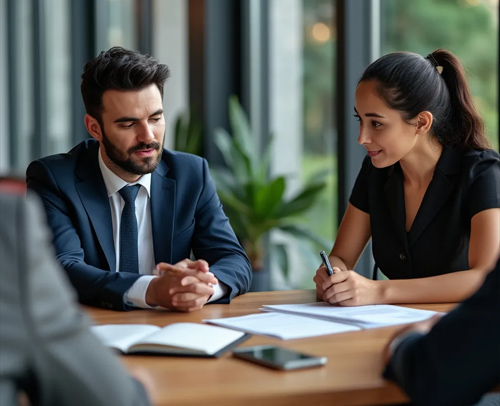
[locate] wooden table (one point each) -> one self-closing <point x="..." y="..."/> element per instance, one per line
<point x="352" y="375"/>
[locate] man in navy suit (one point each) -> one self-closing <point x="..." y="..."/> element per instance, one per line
<point x="124" y="252"/>
<point x="453" y="360"/>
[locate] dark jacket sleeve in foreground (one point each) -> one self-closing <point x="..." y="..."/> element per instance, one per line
<point x="46" y="348"/>
<point x="459" y="359"/>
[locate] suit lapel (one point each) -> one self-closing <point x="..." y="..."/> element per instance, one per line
<point x="162" y="213"/>
<point x="394" y="197"/>
<point x="94" y="198"/>
<point x="442" y="184"/>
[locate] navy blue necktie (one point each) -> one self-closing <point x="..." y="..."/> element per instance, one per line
<point x="129" y="257"/>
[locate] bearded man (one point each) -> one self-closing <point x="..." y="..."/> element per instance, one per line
<point x="135" y="225"/>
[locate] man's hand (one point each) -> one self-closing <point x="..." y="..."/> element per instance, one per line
<point x="422" y="327"/>
<point x="185" y="286"/>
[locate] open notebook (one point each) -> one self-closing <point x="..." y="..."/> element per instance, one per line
<point x="182" y="339"/>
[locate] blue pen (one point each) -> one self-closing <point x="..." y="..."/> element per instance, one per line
<point x="326" y="262"/>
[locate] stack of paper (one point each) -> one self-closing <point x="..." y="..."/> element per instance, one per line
<point x="284" y="326"/>
<point x="320" y="318"/>
<point x="361" y="316"/>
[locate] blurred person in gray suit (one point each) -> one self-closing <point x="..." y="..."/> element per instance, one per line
<point x="47" y="354"/>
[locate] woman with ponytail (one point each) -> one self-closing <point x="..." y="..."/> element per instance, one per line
<point x="428" y="192"/>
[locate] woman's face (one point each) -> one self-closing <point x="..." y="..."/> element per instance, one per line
<point x="382" y="130"/>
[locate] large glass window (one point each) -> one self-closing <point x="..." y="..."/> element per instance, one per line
<point x="58" y="76"/>
<point x="51" y="103"/>
<point x="319" y="95"/>
<point x="4" y="96"/>
<point x="302" y="90"/>
<point x="117" y="24"/>
<point x="23" y="85"/>
<point x="468" y="28"/>
<point x="170" y="46"/>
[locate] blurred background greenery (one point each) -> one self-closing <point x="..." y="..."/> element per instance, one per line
<point x="465" y="27"/>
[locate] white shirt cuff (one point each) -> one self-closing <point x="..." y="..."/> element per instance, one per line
<point x="220" y="290"/>
<point x="136" y="295"/>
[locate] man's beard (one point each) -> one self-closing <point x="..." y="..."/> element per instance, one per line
<point x="124" y="161"/>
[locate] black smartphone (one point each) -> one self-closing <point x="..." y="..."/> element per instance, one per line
<point x="276" y="357"/>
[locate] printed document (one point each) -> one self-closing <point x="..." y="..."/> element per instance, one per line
<point x="370" y="316"/>
<point x="320" y="318"/>
<point x="281" y="325"/>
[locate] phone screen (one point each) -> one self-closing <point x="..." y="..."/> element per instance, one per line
<point x="278" y="357"/>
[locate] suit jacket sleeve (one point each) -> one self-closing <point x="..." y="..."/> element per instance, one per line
<point x="95" y="286"/>
<point x="459" y="360"/>
<point x="214" y="240"/>
<point x="68" y="364"/>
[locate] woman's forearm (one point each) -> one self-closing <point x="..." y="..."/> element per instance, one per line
<point x="338" y="262"/>
<point x="452" y="287"/>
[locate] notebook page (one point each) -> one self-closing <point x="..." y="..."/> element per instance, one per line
<point x="193" y="336"/>
<point x="122" y="336"/>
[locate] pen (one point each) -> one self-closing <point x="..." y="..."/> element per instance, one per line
<point x="326" y="262"/>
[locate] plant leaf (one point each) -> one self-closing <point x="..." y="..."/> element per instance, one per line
<point x="179" y="134"/>
<point x="303" y="201"/>
<point x="194" y="135"/>
<point x="226" y="182"/>
<point x="262" y="173"/>
<point x="320" y="175"/>
<point x="224" y="144"/>
<point x="242" y="133"/>
<point x="269" y="196"/>
<point x="235" y="158"/>
<point x="188" y="134"/>
<point x="300" y="231"/>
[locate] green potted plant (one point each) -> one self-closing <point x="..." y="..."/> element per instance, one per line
<point x="254" y="201"/>
<point x="188" y="133"/>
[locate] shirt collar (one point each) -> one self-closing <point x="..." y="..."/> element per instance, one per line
<point x="450" y="161"/>
<point x="114" y="183"/>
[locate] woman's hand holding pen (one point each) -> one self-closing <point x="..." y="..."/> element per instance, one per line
<point x="345" y="287"/>
<point x="348" y="288"/>
<point x="320" y="278"/>
<point x="330" y="266"/>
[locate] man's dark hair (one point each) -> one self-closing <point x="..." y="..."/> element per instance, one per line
<point x="119" y="69"/>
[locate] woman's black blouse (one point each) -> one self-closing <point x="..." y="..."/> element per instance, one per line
<point x="463" y="184"/>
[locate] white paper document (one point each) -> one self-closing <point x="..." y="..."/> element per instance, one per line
<point x="370" y="316"/>
<point x="281" y="325"/>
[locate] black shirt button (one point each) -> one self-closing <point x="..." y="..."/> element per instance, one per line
<point x="402" y="257"/>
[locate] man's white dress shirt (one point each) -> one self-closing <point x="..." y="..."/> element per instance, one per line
<point x="136" y="294"/>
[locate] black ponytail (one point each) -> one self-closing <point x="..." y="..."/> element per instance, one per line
<point x="411" y="84"/>
<point x="465" y="119"/>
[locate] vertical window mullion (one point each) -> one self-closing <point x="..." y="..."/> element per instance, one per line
<point x="40" y="138"/>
